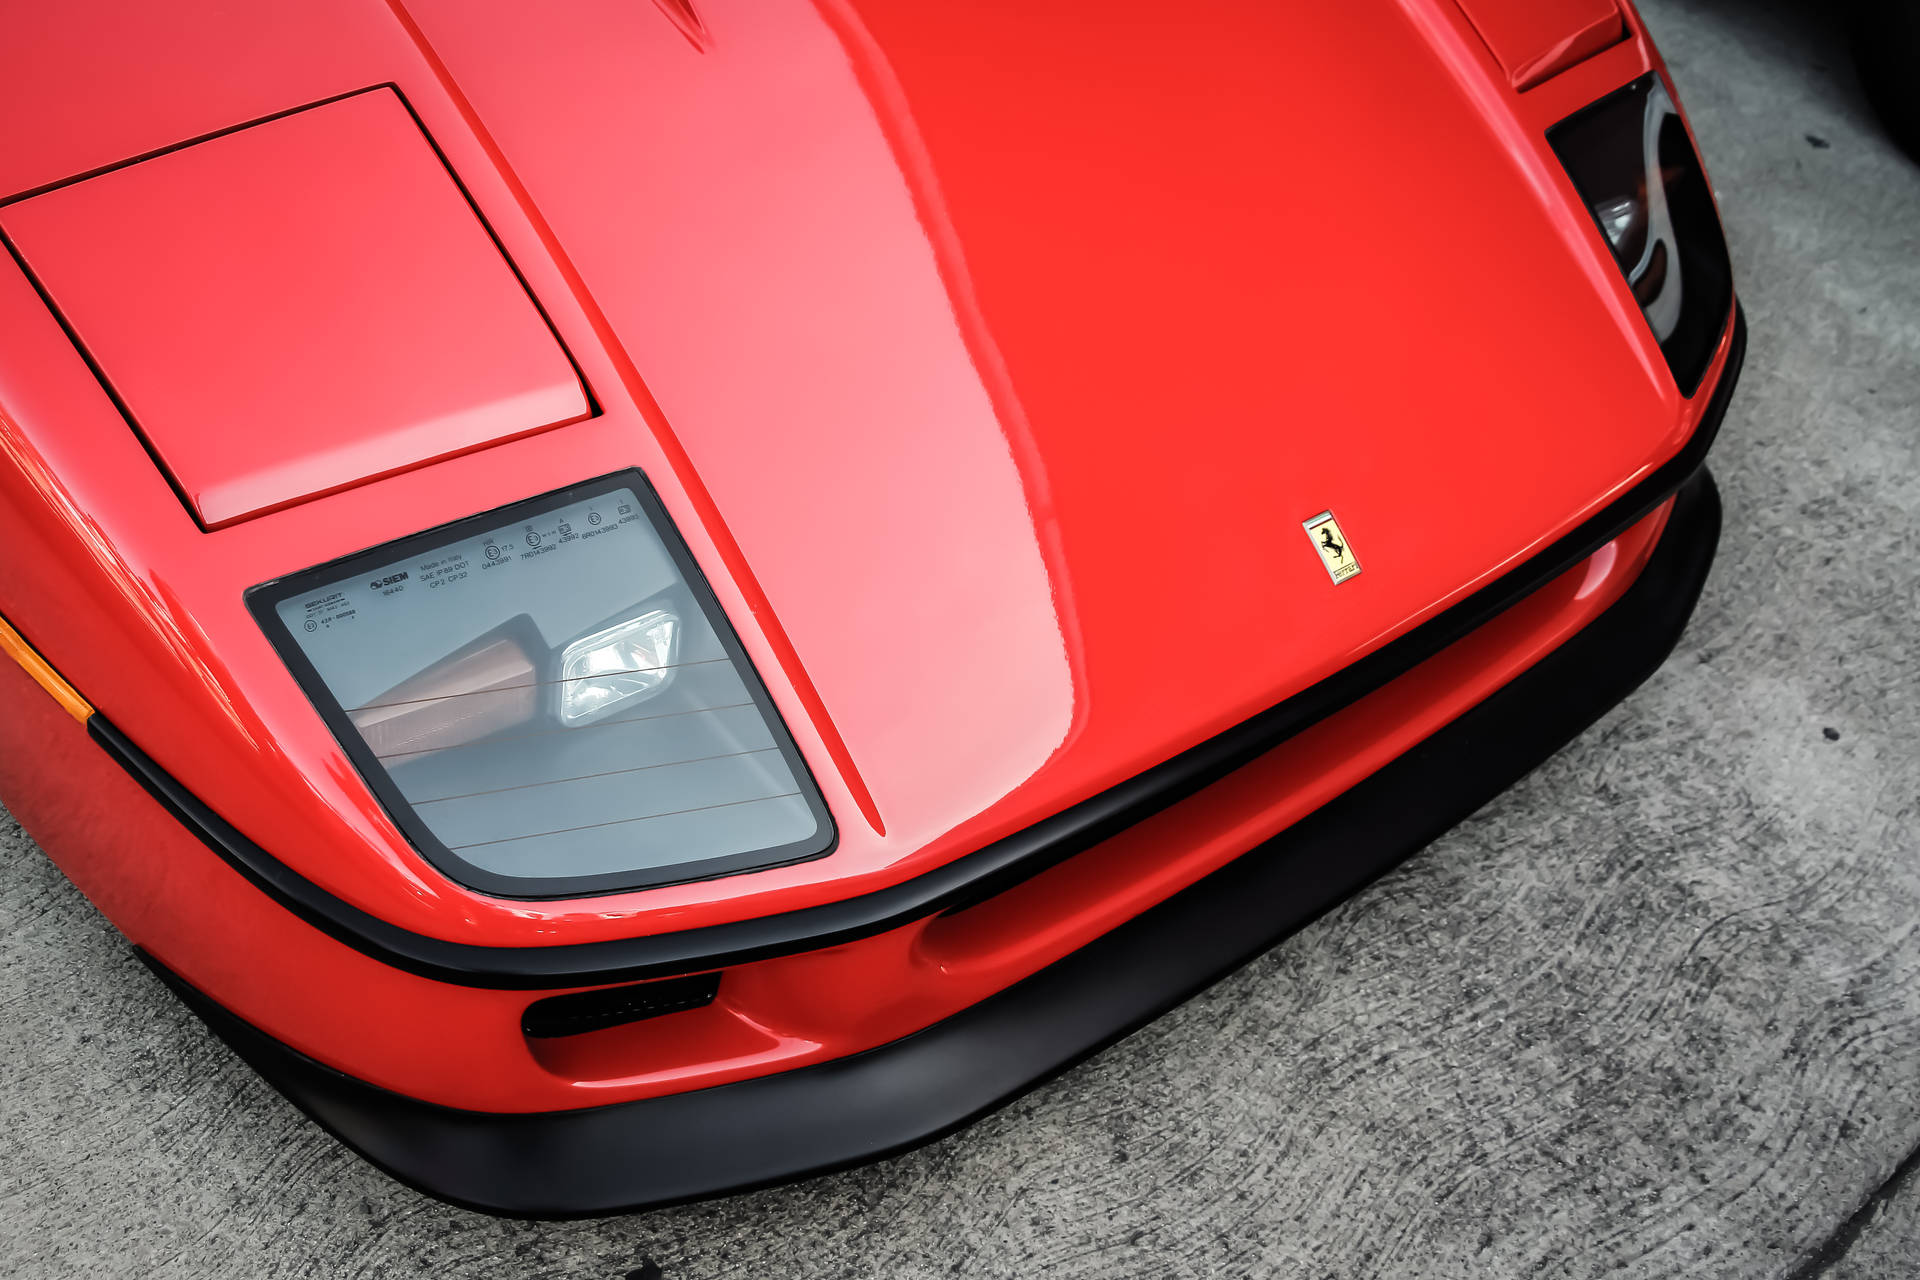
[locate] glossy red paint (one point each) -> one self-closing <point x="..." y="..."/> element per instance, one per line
<point x="992" y="417"/>
<point x="161" y="887"/>
<point x="1535" y="39"/>
<point x="296" y="306"/>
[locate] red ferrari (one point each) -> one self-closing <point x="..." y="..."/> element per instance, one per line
<point x="637" y="599"/>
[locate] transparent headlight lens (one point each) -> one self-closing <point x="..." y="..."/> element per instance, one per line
<point x="548" y="700"/>
<point x="1632" y="163"/>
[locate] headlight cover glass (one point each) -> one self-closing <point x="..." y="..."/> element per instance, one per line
<point x="548" y="700"/>
<point x="1635" y="169"/>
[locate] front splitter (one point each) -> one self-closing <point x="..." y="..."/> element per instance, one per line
<point x="886" y="1100"/>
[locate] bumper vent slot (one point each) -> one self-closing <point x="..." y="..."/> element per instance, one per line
<point x="584" y="1011"/>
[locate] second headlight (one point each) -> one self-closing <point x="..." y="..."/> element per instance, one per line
<point x="1635" y="168"/>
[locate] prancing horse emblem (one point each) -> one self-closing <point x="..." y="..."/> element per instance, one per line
<point x="1332" y="543"/>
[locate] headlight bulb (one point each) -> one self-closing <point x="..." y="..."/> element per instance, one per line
<point x="623" y="664"/>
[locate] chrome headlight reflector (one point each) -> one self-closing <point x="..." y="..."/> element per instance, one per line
<point x="1636" y="171"/>
<point x="617" y="667"/>
<point x="548" y="700"/>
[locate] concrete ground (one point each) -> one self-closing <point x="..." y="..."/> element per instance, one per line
<point x="1655" y="1011"/>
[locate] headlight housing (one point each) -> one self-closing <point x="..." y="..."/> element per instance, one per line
<point x="548" y="700"/>
<point x="1636" y="170"/>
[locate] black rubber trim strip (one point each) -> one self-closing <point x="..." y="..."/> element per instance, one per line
<point x="963" y="881"/>
<point x="860" y="1108"/>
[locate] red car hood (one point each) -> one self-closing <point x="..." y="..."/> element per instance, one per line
<point x="992" y="356"/>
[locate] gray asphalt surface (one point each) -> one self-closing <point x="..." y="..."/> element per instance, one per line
<point x="1654" y="1012"/>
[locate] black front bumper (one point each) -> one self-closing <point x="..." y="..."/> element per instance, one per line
<point x="818" y="1118"/>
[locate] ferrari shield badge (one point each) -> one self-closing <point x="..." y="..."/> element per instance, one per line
<point x="1335" y="552"/>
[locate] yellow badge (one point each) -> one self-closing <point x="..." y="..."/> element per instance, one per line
<point x="1335" y="552"/>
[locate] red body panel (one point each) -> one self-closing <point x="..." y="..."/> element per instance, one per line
<point x="162" y="887"/>
<point x="296" y="307"/>
<point x="988" y="363"/>
<point x="1535" y="39"/>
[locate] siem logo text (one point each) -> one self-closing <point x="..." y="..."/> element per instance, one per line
<point x="387" y="581"/>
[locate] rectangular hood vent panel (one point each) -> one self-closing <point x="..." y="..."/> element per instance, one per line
<point x="1535" y="40"/>
<point x="296" y="306"/>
